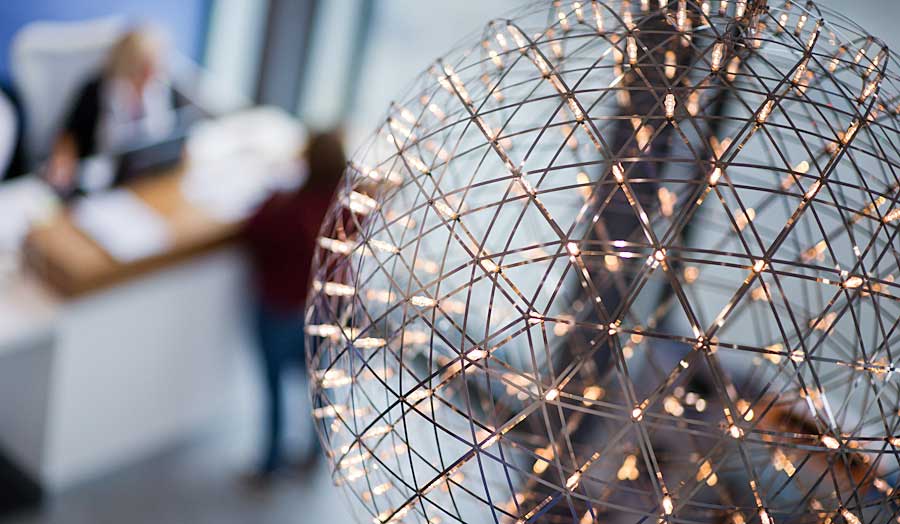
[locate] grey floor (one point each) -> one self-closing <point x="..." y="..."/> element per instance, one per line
<point x="202" y="481"/>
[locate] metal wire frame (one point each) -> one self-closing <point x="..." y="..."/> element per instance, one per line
<point x="622" y="262"/>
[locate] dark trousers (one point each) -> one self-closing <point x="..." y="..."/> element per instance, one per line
<point x="280" y="340"/>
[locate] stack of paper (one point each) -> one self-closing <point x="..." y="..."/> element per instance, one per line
<point x="127" y="228"/>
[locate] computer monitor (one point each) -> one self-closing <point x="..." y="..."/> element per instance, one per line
<point x="150" y="158"/>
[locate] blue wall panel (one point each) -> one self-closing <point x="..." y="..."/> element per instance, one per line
<point x="184" y="20"/>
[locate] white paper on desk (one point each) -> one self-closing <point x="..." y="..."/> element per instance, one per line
<point x="123" y="225"/>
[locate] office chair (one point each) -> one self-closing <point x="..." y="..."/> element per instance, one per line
<point x="50" y="62"/>
<point x="9" y="124"/>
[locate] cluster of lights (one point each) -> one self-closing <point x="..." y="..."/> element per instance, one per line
<point x="477" y="282"/>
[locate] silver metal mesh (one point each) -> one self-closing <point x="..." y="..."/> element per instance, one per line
<point x="622" y="262"/>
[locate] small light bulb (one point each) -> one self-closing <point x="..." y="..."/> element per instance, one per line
<point x="598" y="15"/>
<point x="853" y="282"/>
<point x="764" y="112"/>
<point x="681" y="16"/>
<point x="669" y="104"/>
<point x="422" y="301"/>
<point x="496" y="59"/>
<point x="476" y="354"/>
<point x="631" y="49"/>
<point x="445" y="210"/>
<point x="850" y="517"/>
<point x="618" y="172"/>
<point x="579" y="12"/>
<point x="830" y="442"/>
<point x="718" y="52"/>
<point x="637" y="414"/>
<point x="668" y="505"/>
<point x="671" y="62"/>
<point x="851" y="131"/>
<point x="715" y="176"/>
<point x="812" y="191"/>
<point x="573" y="481"/>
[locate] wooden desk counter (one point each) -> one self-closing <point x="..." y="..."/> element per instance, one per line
<point x="74" y="264"/>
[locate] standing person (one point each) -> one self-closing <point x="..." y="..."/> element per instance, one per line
<point x="281" y="238"/>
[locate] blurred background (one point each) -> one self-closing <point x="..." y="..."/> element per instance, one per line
<point x="153" y="157"/>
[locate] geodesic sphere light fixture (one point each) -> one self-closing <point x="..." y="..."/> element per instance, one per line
<point x="622" y="262"/>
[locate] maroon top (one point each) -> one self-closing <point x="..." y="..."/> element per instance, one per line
<point x="281" y="237"/>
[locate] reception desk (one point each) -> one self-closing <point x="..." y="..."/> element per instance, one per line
<point x="110" y="361"/>
<point x="74" y="264"/>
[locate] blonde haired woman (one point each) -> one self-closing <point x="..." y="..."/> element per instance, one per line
<point x="130" y="102"/>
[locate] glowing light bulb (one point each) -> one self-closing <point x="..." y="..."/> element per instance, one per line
<point x="563" y="21"/>
<point x="618" y="172"/>
<point x="851" y="131"/>
<point x="335" y="246"/>
<point x="519" y="38"/>
<point x="422" y="301"/>
<point x="598" y="15"/>
<point x="830" y="442"/>
<point x="681" y="15"/>
<point x="323" y="330"/>
<point x="764" y="112"/>
<point x="359" y="203"/>
<point x="892" y="215"/>
<point x="669" y="104"/>
<point x="715" y="176"/>
<point x="801" y="21"/>
<point x="445" y="210"/>
<point x="495" y="58"/>
<point x="812" y="191"/>
<point x="631" y="49"/>
<point x="637" y="414"/>
<point x="718" y="52"/>
<point x="543" y="462"/>
<point x="850" y="517"/>
<point x="592" y="393"/>
<point x="476" y="354"/>
<point x="369" y="343"/>
<point x="853" y="282"/>
<point x="335" y="289"/>
<point x="579" y="12"/>
<point x="572" y="482"/>
<point x="628" y="470"/>
<point x="489" y="266"/>
<point x="668" y="505"/>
